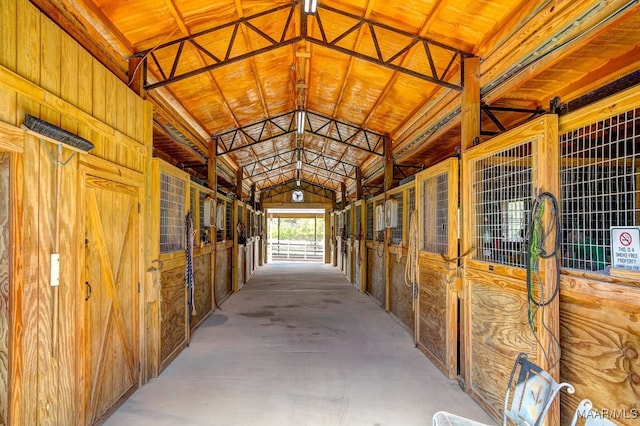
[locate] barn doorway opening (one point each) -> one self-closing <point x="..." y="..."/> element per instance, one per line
<point x="296" y="235"/>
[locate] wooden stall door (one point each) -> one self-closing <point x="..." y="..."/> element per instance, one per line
<point x="437" y="322"/>
<point x="501" y="178"/>
<point x="111" y="298"/>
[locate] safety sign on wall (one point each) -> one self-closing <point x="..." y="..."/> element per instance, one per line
<point x="625" y="248"/>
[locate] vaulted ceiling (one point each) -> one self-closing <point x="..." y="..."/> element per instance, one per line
<point x="240" y="74"/>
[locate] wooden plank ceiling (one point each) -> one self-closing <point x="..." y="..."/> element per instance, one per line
<point x="237" y="74"/>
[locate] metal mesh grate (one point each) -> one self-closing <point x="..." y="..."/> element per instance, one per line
<point x="502" y="185"/>
<point x="370" y="220"/>
<point x="599" y="180"/>
<point x="204" y="231"/>
<point x="435" y="220"/>
<point x="219" y="232"/>
<point x="228" y="224"/>
<point x="380" y="232"/>
<point x="171" y="213"/>
<point x="411" y="202"/>
<point x="347" y="224"/>
<point x="358" y="226"/>
<point x="396" y="233"/>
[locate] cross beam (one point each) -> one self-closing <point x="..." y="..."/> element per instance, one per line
<point x="284" y="124"/>
<point x="173" y="56"/>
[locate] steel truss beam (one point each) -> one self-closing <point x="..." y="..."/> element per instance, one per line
<point x="199" y="41"/>
<point x="375" y="32"/>
<point x="274" y="127"/>
<point x="489" y="112"/>
<point x="290" y="185"/>
<point x="309" y="157"/>
<point x="401" y="168"/>
<point x="288" y="34"/>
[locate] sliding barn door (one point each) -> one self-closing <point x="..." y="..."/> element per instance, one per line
<point x="501" y="178"/>
<point x="437" y="313"/>
<point x="111" y="293"/>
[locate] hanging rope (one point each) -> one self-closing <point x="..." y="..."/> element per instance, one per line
<point x="411" y="268"/>
<point x="539" y="240"/>
<point x="189" y="280"/>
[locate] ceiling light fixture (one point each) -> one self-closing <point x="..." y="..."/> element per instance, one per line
<point x="300" y="122"/>
<point x="299" y="159"/>
<point x="310" y="6"/>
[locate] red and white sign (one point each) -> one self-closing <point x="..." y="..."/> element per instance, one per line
<point x="625" y="248"/>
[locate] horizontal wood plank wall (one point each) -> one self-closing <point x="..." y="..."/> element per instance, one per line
<point x="600" y="314"/>
<point x="43" y="72"/>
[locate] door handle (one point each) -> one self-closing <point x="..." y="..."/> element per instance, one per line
<point x="86" y="283"/>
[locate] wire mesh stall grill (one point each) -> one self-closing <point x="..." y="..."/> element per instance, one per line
<point x="502" y="184"/>
<point x="599" y="181"/>
<point x="380" y="230"/>
<point x="411" y="202"/>
<point x="370" y="220"/>
<point x="347" y="224"/>
<point x="396" y="232"/>
<point x="219" y="231"/>
<point x="172" y="190"/>
<point x="204" y="232"/>
<point x="435" y="214"/>
<point x="358" y="224"/>
<point x="228" y="225"/>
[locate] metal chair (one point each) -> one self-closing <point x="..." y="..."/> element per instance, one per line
<point x="529" y="395"/>
<point x="591" y="417"/>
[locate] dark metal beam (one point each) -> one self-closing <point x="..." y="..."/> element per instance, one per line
<point x="393" y="60"/>
<point x="288" y="33"/>
<point x="290" y="185"/>
<point x="201" y="39"/>
<point x="489" y="112"/>
<point x="319" y="125"/>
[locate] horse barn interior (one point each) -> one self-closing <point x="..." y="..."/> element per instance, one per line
<point x="476" y="163"/>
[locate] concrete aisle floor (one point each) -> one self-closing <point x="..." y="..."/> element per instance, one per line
<point x="298" y="345"/>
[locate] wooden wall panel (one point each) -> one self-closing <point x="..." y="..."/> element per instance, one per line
<point x="173" y="305"/>
<point x="4" y="287"/>
<point x="203" y="287"/>
<point x="376" y="273"/>
<point x="433" y="312"/>
<point x="499" y="332"/>
<point x="43" y="72"/>
<point x="223" y="287"/>
<point x="400" y="300"/>
<point x="600" y="335"/>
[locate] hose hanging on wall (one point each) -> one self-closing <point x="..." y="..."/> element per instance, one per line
<point x="537" y="243"/>
<point x="411" y="269"/>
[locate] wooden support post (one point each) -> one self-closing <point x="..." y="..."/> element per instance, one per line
<point x="239" y="176"/>
<point x="388" y="183"/>
<point x="470" y="130"/>
<point x="136" y="76"/>
<point x="358" y="183"/>
<point x="343" y="191"/>
<point x="212" y="178"/>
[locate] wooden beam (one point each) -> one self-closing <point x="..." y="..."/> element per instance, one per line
<point x="470" y="103"/>
<point x="358" y="183"/>
<point x="239" y="176"/>
<point x="136" y="76"/>
<point x="388" y="164"/>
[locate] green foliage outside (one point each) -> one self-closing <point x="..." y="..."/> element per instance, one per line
<point x="296" y="229"/>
